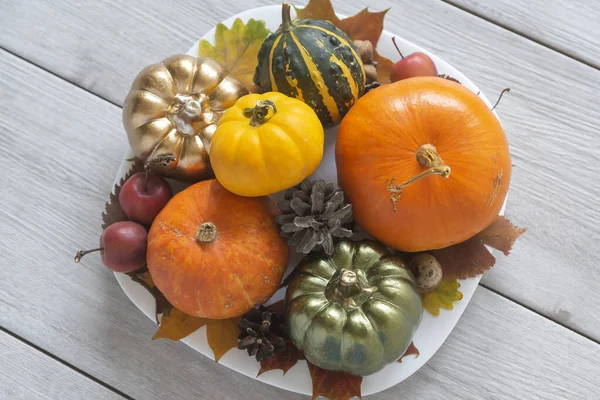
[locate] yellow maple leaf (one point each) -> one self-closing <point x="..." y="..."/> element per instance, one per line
<point x="175" y="325"/>
<point x="444" y="296"/>
<point x="222" y="335"/>
<point x="237" y="48"/>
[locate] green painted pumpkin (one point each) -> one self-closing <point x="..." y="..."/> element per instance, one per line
<point x="312" y="60"/>
<point x="354" y="311"/>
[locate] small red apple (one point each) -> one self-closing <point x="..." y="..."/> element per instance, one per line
<point x="415" y="64"/>
<point x="122" y="246"/>
<point x="143" y="196"/>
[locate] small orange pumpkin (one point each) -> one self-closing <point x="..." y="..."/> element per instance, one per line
<point x="214" y="254"/>
<point x="396" y="146"/>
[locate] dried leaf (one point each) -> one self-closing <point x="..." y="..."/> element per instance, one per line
<point x="175" y="325"/>
<point x="365" y="25"/>
<point x="471" y="258"/>
<point x="465" y="260"/>
<point x="222" y="335"/>
<point x="283" y="360"/>
<point x="444" y="296"/>
<point x="501" y="235"/>
<point x="143" y="277"/>
<point x="318" y="9"/>
<point x="412" y="350"/>
<point x="112" y="209"/>
<point x="334" y="385"/>
<point x="384" y="68"/>
<point x="236" y="49"/>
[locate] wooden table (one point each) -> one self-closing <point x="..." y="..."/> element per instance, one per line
<point x="532" y="330"/>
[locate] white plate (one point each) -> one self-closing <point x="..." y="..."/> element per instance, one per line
<point x="432" y="332"/>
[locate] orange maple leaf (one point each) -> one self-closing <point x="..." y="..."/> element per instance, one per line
<point x="412" y="350"/>
<point x="143" y="277"/>
<point x="222" y="335"/>
<point x="175" y="325"/>
<point x="471" y="258"/>
<point x="334" y="385"/>
<point x="283" y="360"/>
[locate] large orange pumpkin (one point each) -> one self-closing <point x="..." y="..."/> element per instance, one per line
<point x="214" y="254"/>
<point x="424" y="162"/>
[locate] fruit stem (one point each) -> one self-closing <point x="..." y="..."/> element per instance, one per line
<point x="506" y="90"/>
<point x="82" y="253"/>
<point x="286" y="17"/>
<point x="206" y="233"/>
<point x="427" y="156"/>
<point x="261" y="113"/>
<point x="397" y="48"/>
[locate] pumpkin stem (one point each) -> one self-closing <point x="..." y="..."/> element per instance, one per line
<point x="261" y="113"/>
<point x="82" y="253"/>
<point x="347" y="289"/>
<point x="427" y="156"/>
<point x="286" y="18"/>
<point x="206" y="233"/>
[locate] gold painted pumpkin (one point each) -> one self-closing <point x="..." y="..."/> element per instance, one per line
<point x="266" y="143"/>
<point x="172" y="110"/>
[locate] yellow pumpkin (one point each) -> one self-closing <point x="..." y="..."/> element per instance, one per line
<point x="266" y="143"/>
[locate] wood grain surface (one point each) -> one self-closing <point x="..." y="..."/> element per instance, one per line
<point x="28" y="374"/>
<point x="570" y="27"/>
<point x="61" y="141"/>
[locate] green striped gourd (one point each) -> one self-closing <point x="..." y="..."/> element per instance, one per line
<point x="313" y="61"/>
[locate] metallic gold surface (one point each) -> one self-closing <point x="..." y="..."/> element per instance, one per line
<point x="355" y="311"/>
<point x="173" y="108"/>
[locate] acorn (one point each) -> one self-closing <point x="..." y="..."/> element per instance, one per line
<point x="427" y="272"/>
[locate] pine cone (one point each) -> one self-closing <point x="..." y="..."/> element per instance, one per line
<point x="261" y="333"/>
<point x="312" y="214"/>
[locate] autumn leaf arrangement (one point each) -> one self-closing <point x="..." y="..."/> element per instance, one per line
<point x="215" y="135"/>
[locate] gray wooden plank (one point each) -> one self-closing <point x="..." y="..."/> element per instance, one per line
<point x="570" y="27"/>
<point x="28" y="374"/>
<point x="60" y="147"/>
<point x="551" y="116"/>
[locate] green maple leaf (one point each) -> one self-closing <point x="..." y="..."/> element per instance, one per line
<point x="236" y="48"/>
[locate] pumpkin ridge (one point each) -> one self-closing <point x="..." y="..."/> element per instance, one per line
<point x="293" y="82"/>
<point x="167" y="101"/>
<point x="373" y="325"/>
<point x="338" y="37"/>
<point x="162" y="112"/>
<point x="272" y="65"/>
<point x="328" y="100"/>
<point x="313" y="319"/>
<point x="309" y="295"/>
<point x="303" y="77"/>
<point x="244" y="293"/>
<point x="177" y="144"/>
<point x="344" y="90"/>
<point x="290" y="135"/>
